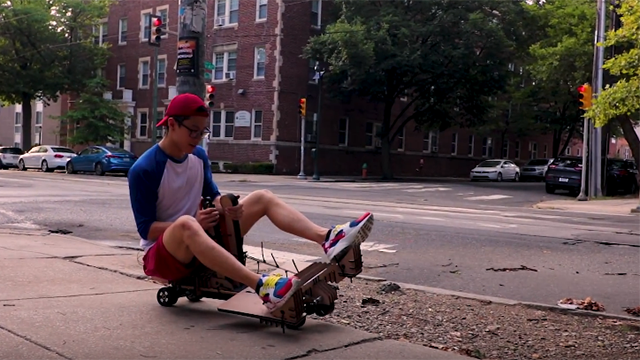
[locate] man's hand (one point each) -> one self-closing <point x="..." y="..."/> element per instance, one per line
<point x="207" y="218"/>
<point x="234" y="212"/>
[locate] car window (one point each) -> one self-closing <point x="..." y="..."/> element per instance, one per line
<point x="114" y="150"/>
<point x="43" y="149"/>
<point x="12" y="151"/>
<point x="85" y="152"/>
<point x="568" y="162"/>
<point x="34" y="150"/>
<point x="62" y="150"/>
<point x="490" y="163"/>
<point x="96" y="151"/>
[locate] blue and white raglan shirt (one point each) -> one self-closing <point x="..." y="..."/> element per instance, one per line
<point x="162" y="188"/>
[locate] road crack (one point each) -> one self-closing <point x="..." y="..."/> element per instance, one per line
<point x="29" y="340"/>
<point x="354" y="343"/>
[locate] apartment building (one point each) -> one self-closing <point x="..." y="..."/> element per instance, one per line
<point x="45" y="129"/>
<point x="259" y="74"/>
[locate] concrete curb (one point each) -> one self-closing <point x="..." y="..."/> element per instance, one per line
<point x="503" y="301"/>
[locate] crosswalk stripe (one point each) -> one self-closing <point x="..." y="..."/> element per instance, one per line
<point x="488" y="197"/>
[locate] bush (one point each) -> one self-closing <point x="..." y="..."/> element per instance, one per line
<point x="249" y="168"/>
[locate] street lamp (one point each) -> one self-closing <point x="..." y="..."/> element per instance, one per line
<point x="319" y="75"/>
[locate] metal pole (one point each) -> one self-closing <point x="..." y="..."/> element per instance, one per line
<point x="301" y="175"/>
<point x="154" y="99"/>
<point x="316" y="175"/>
<point x="602" y="18"/>
<point x="191" y="49"/>
<point x="585" y="149"/>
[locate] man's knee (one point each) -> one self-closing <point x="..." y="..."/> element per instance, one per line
<point x="187" y="224"/>
<point x="263" y="196"/>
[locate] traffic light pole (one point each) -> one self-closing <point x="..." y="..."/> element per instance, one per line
<point x="154" y="99"/>
<point x="301" y="175"/>
<point x="319" y="74"/>
<point x="597" y="140"/>
<point x="191" y="47"/>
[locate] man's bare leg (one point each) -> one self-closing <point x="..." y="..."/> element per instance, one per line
<point x="185" y="239"/>
<point x="262" y="203"/>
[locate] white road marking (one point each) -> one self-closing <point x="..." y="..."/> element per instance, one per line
<point x="428" y="189"/>
<point x="372" y="246"/>
<point x="17" y="220"/>
<point x="431" y="218"/>
<point x="377" y="215"/>
<point x="497" y="225"/>
<point x="488" y="197"/>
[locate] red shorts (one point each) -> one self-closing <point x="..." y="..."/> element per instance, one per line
<point x="158" y="262"/>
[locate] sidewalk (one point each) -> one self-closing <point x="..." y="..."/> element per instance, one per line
<point x="609" y="207"/>
<point x="66" y="298"/>
<point x="262" y="178"/>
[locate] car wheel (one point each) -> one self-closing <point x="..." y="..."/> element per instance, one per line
<point x="21" y="165"/>
<point x="549" y="189"/>
<point x="499" y="176"/>
<point x="45" y="166"/>
<point x="98" y="169"/>
<point x="516" y="177"/>
<point x="69" y="168"/>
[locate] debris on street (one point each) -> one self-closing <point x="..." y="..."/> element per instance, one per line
<point x="389" y="287"/>
<point x="586" y="304"/>
<point x="522" y="267"/>
<point x="633" y="311"/>
<point x="482" y="330"/>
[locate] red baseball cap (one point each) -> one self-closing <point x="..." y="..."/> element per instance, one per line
<point x="184" y="105"/>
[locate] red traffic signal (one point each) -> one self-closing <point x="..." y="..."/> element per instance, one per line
<point x="157" y="22"/>
<point x="156" y="30"/>
<point x="581" y="88"/>
<point x="210" y="95"/>
<point x="211" y="89"/>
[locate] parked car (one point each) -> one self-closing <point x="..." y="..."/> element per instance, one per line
<point x="101" y="160"/>
<point x="9" y="156"/>
<point x="565" y="173"/>
<point x="535" y="169"/>
<point x="496" y="170"/>
<point x="46" y="158"/>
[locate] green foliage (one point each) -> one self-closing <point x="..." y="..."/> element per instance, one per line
<point x="447" y="57"/>
<point x="249" y="168"/>
<point x="623" y="98"/>
<point x="96" y="120"/>
<point x="46" y="49"/>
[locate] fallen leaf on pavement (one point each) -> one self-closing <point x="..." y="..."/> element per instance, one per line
<point x="633" y="311"/>
<point x="522" y="267"/>
<point x="586" y="304"/>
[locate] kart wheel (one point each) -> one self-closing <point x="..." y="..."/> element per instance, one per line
<point x="167" y="296"/>
<point x="193" y="297"/>
<point x="324" y="309"/>
<point x="298" y="325"/>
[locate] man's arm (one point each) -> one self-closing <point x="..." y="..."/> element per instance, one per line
<point x="143" y="194"/>
<point x="209" y="187"/>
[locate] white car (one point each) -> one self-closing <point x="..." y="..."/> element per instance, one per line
<point x="46" y="158"/>
<point x="496" y="170"/>
<point x="9" y="156"/>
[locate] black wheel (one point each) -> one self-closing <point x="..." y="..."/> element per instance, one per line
<point x="517" y="177"/>
<point x="44" y="166"/>
<point x="499" y="177"/>
<point x="298" y="325"/>
<point x="21" y="165"/>
<point x="69" y="168"/>
<point x="98" y="169"/>
<point x="193" y="297"/>
<point x="324" y="309"/>
<point x="549" y="189"/>
<point x="167" y="296"/>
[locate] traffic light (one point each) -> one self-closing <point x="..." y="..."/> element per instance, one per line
<point x="157" y="30"/>
<point x="585" y="96"/>
<point x="210" y="95"/>
<point x="302" y="107"/>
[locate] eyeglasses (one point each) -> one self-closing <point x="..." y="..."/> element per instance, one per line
<point x="194" y="134"/>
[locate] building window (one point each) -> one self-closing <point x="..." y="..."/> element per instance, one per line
<point x="220" y="129"/>
<point x="505" y="149"/>
<point x="17" y="122"/>
<point x="145" y="29"/>
<point x="401" y="140"/>
<point x="227" y="12"/>
<point x="162" y="70"/>
<point x="159" y="130"/>
<point x="517" y="149"/>
<point x="578" y="152"/>
<point x="163" y="12"/>
<point x="225" y="65"/>
<point x="372" y="134"/>
<point x="100" y="33"/>
<point x="472" y="140"/>
<point x="122" y="31"/>
<point x="260" y="60"/>
<point x="143" y="69"/>
<point x="454" y="143"/>
<point x="533" y="150"/>
<point x="261" y="10"/>
<point x="256" y="128"/>
<point x="143" y="123"/>
<point x="122" y="75"/>
<point x="343" y="131"/>
<point x="487" y="147"/>
<point x="567" y="151"/>
<point x="545" y="151"/>
<point x="316" y="13"/>
<point x="38" y="128"/>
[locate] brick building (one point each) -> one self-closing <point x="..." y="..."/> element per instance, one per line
<point x="256" y="46"/>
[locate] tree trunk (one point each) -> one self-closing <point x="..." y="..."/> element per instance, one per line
<point x="556" y="142"/>
<point x="387" y="173"/>
<point x="26" y="122"/>
<point x="631" y="136"/>
<point x="572" y="131"/>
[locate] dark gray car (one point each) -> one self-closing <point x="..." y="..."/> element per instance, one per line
<point x="564" y="173"/>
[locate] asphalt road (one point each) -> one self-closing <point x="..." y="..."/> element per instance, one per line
<point x="448" y="241"/>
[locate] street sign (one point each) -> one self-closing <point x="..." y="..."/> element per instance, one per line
<point x="207" y="75"/>
<point x="209" y="65"/>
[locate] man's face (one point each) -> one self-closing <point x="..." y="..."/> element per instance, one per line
<point x="188" y="134"/>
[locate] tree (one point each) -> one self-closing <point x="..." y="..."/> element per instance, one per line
<point x="47" y="49"/>
<point x="560" y="61"/>
<point x="621" y="101"/>
<point x="446" y="57"/>
<point x="95" y="120"/>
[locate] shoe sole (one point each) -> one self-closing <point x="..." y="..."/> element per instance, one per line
<point x="363" y="233"/>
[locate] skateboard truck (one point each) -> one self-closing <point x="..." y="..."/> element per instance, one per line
<point x="317" y="294"/>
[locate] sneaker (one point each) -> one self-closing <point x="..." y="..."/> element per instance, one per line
<point x="341" y="237"/>
<point x="275" y="290"/>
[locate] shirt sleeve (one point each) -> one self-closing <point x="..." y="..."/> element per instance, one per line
<point x="209" y="187"/>
<point x="143" y="193"/>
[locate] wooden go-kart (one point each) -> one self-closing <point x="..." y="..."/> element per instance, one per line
<point x="317" y="295"/>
